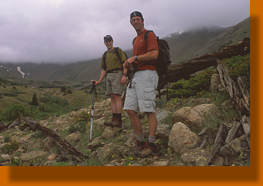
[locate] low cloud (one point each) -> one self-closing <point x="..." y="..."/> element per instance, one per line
<point x="62" y="31"/>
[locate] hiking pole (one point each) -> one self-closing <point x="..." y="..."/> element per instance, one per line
<point x="94" y="93"/>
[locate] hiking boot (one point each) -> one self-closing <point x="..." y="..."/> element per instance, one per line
<point x="139" y="146"/>
<point x="108" y="123"/>
<point x="150" y="150"/>
<point x="114" y="123"/>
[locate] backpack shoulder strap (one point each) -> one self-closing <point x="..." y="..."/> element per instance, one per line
<point x="117" y="53"/>
<point x="133" y="40"/>
<point x="146" y="35"/>
<point x="104" y="60"/>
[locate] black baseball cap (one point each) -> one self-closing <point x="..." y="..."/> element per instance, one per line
<point x="108" y="38"/>
<point x="135" y="14"/>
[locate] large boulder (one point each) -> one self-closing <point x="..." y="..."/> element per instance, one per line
<point x="195" y="118"/>
<point x="182" y="137"/>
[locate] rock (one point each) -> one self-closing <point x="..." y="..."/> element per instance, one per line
<point x="235" y="145"/>
<point x="196" y="157"/>
<point x="226" y="151"/>
<point x="106" y="152"/>
<point x="161" y="115"/>
<point x="163" y="131"/>
<point x="95" y="143"/>
<point x="181" y="136"/>
<point x="6" y="157"/>
<point x="51" y="157"/>
<point x="214" y="83"/>
<point x="48" y="143"/>
<point x="33" y="155"/>
<point x="74" y="137"/>
<point x="218" y="161"/>
<point x="227" y="105"/>
<point x="196" y="117"/>
<point x="199" y="101"/>
<point x="109" y="132"/>
<point x="141" y="115"/>
<point x="161" y="163"/>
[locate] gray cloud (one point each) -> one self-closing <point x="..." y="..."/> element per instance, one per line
<point x="72" y="30"/>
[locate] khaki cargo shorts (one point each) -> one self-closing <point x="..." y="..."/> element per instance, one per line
<point x="141" y="95"/>
<point x="113" y="83"/>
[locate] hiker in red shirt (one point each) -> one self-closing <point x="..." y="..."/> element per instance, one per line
<point x="140" y="95"/>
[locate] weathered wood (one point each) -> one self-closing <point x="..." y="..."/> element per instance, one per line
<point x="77" y="155"/>
<point x="238" y="92"/>
<point x="219" y="140"/>
<point x="244" y="89"/>
<point x="232" y="132"/>
<point x="245" y="122"/>
<point x="4" y="127"/>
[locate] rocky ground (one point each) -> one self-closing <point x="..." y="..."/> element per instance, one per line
<point x="193" y="132"/>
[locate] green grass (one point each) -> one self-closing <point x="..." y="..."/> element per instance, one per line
<point x="52" y="101"/>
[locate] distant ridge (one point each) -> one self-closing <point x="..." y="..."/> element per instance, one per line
<point x="183" y="46"/>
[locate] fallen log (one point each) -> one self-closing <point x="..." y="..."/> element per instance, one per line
<point x="185" y="69"/>
<point x="72" y="151"/>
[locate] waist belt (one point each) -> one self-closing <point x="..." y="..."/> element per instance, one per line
<point x="114" y="71"/>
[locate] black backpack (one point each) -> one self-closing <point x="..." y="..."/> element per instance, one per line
<point x="163" y="60"/>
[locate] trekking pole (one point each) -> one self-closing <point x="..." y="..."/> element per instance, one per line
<point x="94" y="93"/>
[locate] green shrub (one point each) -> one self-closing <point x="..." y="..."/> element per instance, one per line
<point x="14" y="162"/>
<point x="7" y="139"/>
<point x="72" y="129"/>
<point x="193" y="86"/>
<point x="34" y="100"/>
<point x="61" y="164"/>
<point x="54" y="100"/>
<point x="84" y="116"/>
<point x="9" y="148"/>
<point x="38" y="134"/>
<point x="81" y="127"/>
<point x="13" y="112"/>
<point x="238" y="65"/>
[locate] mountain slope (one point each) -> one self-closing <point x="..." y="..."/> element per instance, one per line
<point x="183" y="46"/>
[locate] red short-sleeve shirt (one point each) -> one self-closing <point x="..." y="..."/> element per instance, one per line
<point x="140" y="47"/>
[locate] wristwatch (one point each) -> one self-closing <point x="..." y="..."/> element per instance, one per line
<point x="136" y="57"/>
<point x="125" y="74"/>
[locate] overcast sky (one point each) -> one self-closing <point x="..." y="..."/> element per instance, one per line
<point x="72" y="30"/>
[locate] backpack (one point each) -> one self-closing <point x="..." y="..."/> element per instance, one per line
<point x="163" y="60"/>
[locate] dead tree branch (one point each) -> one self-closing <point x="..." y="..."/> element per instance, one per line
<point x="72" y="151"/>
